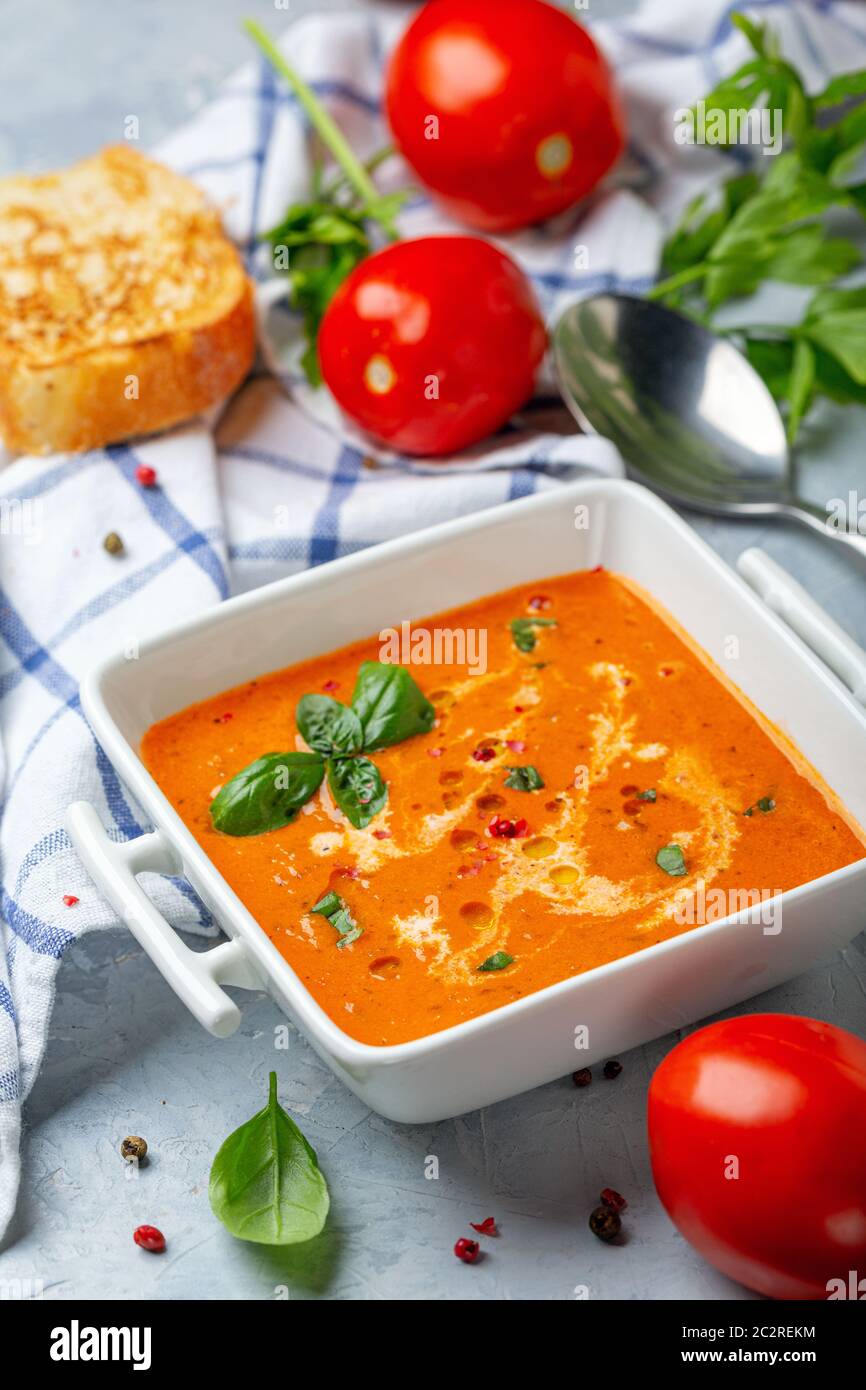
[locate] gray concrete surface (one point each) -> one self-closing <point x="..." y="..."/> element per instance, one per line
<point x="125" y="1057"/>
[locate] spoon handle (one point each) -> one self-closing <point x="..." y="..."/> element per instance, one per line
<point x="817" y="519"/>
<point x="793" y="605"/>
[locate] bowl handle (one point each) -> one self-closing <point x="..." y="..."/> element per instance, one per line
<point x="793" y="605"/>
<point x="196" y="977"/>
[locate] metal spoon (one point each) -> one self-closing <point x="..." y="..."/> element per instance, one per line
<point x="687" y="411"/>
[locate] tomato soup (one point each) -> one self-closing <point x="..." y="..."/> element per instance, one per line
<point x="591" y="785"/>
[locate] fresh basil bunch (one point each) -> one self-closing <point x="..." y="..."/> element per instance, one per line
<point x="770" y="223"/>
<point x="387" y="707"/>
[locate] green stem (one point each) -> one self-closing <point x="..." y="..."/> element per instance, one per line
<point x="683" y="277"/>
<point x="371" y="165"/>
<point x="332" y="136"/>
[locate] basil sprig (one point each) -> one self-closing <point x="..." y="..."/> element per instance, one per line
<point x="387" y="707"/>
<point x="265" y="1184"/>
<point x="776" y="220"/>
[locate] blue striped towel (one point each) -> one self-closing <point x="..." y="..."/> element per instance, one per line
<point x="277" y="483"/>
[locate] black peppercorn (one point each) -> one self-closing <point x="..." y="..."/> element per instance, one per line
<point x="133" y="1148"/>
<point x="612" y="1070"/>
<point x="605" y="1223"/>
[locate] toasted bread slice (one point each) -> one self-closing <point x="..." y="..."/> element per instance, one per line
<point x="123" y="306"/>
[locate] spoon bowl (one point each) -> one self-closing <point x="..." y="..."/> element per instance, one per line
<point x="689" y="414"/>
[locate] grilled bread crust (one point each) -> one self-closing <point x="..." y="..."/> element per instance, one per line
<point x="123" y="306"/>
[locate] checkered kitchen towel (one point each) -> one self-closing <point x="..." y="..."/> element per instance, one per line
<point x="281" y="485"/>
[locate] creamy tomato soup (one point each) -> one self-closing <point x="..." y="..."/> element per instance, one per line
<point x="663" y="796"/>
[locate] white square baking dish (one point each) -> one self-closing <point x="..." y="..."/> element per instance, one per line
<point x="619" y="1005"/>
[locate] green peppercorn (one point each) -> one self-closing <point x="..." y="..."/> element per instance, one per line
<point x="113" y="544"/>
<point x="605" y="1223"/>
<point x="133" y="1148"/>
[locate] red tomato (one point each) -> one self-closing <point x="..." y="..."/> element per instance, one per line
<point x="781" y="1101"/>
<point x="505" y="110"/>
<point x="430" y="345"/>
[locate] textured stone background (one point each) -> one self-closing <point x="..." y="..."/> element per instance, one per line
<point x="125" y="1057"/>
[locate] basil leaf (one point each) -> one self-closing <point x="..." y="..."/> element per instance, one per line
<point x="807" y="256"/>
<point x="524" y="779"/>
<point x="337" y="912"/>
<point x="390" y="706"/>
<point x="670" y="858"/>
<point x="328" y="726"/>
<point x="497" y="961"/>
<point x="772" y="359"/>
<point x="649" y="795"/>
<point x="834" y="381"/>
<point x="765" y="805"/>
<point x="267" y="794"/>
<point x="522" y="633"/>
<point x="843" y="335"/>
<point x="832" y="301"/>
<point x="755" y="33"/>
<point x="265" y="1183"/>
<point x="357" y="787"/>
<point x="839" y="89"/>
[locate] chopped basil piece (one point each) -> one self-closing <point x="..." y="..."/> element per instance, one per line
<point x="327" y="904"/>
<point x="337" y="912"/>
<point x="329" y="726"/>
<point x="648" y="795"/>
<point x="765" y="804"/>
<point x="390" y="706"/>
<point x="497" y="961"/>
<point x="524" y="779"/>
<point x="357" y="787"/>
<point x="267" y="794"/>
<point x="670" y="858"/>
<point x="522" y="631"/>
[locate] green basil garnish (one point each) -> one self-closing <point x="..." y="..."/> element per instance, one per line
<point x="497" y="961"/>
<point x="523" y="634"/>
<point x="387" y="707"/>
<point x="671" y="859"/>
<point x="337" y="912"/>
<point x="267" y="794"/>
<point x="524" y="779"/>
<point x="328" y="726"/>
<point x="649" y="795"/>
<point x="390" y="706"/>
<point x="357" y="787"/>
<point x="765" y="804"/>
<point x="265" y="1182"/>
